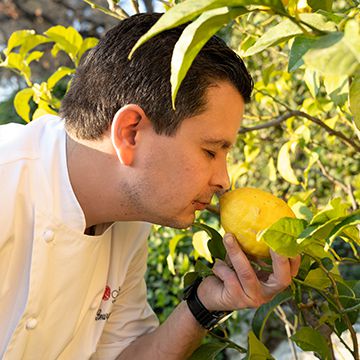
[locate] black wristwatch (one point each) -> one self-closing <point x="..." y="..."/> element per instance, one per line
<point x="207" y="319"/>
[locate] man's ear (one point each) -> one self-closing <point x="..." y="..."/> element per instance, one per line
<point x="124" y="128"/>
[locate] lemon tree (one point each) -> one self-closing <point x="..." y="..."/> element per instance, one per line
<point x="299" y="141"/>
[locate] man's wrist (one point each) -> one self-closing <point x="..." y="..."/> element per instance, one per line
<point x="207" y="319"/>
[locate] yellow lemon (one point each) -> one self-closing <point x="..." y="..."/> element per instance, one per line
<point x="246" y="211"/>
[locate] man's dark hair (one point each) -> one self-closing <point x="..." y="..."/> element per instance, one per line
<point x="106" y="80"/>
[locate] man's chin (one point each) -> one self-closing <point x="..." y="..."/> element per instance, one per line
<point x="177" y="223"/>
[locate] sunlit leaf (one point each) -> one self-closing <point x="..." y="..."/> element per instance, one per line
<point x="194" y="38"/>
<point x="312" y="81"/>
<point x="334" y="209"/>
<point x="318" y="279"/>
<point x="287" y="29"/>
<point x="350" y="220"/>
<point x="67" y="39"/>
<point x="31" y="42"/>
<point x="34" y="56"/>
<point x="301" y="211"/>
<point x="199" y="241"/>
<point x="354" y="100"/>
<point x="336" y="53"/>
<point x="21" y="103"/>
<point x="17" y="38"/>
<point x="215" y="244"/>
<point x="271" y="170"/>
<point x="60" y="73"/>
<point x="282" y="236"/>
<point x="284" y="164"/>
<point x="87" y="44"/>
<point x="172" y="247"/>
<point x="189" y="10"/>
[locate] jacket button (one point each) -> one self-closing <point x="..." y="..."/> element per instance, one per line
<point x="48" y="235"/>
<point x="31" y="324"/>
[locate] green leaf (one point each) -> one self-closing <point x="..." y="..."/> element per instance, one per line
<point x="354" y="99"/>
<point x="301" y="211"/>
<point x="350" y="220"/>
<point x="31" y="42"/>
<point x="34" y="56"/>
<point x="215" y="244"/>
<point x="284" y="164"/>
<point x="21" y="103"/>
<point x="199" y="241"/>
<point x="320" y="4"/>
<point x="67" y="39"/>
<point x="319" y="231"/>
<point x="87" y="44"/>
<point x="194" y="38"/>
<point x="172" y="247"/>
<point x="282" y="236"/>
<point x="190" y="278"/>
<point x="271" y="170"/>
<point x="16" y="61"/>
<point x="256" y="349"/>
<point x="334" y="209"/>
<point x="286" y="30"/>
<point x="17" y="38"/>
<point x="312" y="81"/>
<point x="337" y="87"/>
<point x="318" y="279"/>
<point x="58" y="75"/>
<point x="299" y="47"/>
<point x="189" y="9"/>
<point x="202" y="269"/>
<point x="310" y="339"/>
<point x="208" y="351"/>
<point x="263" y="313"/>
<point x="336" y="53"/>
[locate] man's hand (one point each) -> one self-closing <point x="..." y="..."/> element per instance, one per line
<point x="236" y="284"/>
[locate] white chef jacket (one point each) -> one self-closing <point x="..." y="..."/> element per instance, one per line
<point x="63" y="295"/>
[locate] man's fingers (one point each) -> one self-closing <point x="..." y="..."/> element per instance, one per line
<point x="295" y="265"/>
<point x="281" y="269"/>
<point x="243" y="269"/>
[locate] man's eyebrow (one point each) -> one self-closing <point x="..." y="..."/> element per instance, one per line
<point x="224" y="144"/>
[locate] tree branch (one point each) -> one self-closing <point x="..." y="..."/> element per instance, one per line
<point x="119" y="13"/>
<point x="283" y="117"/>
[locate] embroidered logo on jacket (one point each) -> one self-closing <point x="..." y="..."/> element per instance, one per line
<point x="108" y="295"/>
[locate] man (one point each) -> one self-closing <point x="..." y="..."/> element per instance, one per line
<point x="77" y="197"/>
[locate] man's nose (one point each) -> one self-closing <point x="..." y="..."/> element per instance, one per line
<point x="221" y="179"/>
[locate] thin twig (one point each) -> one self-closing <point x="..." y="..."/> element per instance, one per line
<point x="347" y="189"/>
<point x="313" y="119"/>
<point x="119" y="13"/>
<point x="355" y="351"/>
<point x="288" y="328"/>
<point x="135" y="5"/>
<point x="317" y="121"/>
<point x="268" y="124"/>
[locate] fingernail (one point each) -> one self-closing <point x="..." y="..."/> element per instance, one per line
<point x="228" y="239"/>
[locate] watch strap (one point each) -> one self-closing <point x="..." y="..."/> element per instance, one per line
<point x="207" y="319"/>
